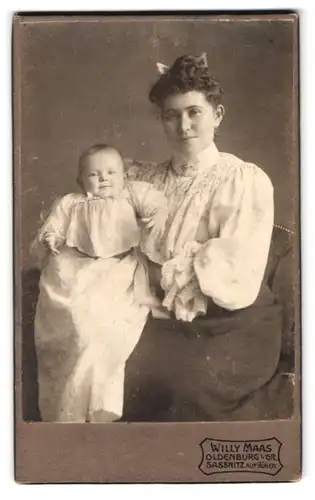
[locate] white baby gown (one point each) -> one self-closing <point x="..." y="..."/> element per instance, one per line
<point x="93" y="303"/>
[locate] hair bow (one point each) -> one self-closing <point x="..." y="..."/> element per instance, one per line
<point x="202" y="60"/>
<point x="162" y="68"/>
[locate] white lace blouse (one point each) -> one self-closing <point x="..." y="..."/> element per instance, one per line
<point x="218" y="232"/>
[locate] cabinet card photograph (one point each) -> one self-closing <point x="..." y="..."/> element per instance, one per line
<point x="156" y="241"/>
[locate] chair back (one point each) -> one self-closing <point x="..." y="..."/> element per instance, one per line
<point x="282" y="280"/>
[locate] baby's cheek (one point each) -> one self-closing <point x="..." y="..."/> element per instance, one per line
<point x="91" y="187"/>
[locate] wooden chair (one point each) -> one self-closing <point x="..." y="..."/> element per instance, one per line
<point x="282" y="278"/>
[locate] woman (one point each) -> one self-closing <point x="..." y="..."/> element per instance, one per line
<point x="222" y="344"/>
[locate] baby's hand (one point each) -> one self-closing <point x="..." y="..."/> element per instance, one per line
<point x="53" y="243"/>
<point x="157" y="223"/>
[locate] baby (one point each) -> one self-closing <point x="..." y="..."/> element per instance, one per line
<point x="94" y="289"/>
<point x="103" y="221"/>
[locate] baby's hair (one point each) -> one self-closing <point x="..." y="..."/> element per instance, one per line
<point x="92" y="150"/>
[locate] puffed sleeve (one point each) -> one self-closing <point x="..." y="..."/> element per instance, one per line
<point x="230" y="267"/>
<point x="56" y="223"/>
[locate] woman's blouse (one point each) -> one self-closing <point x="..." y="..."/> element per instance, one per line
<point x="104" y="227"/>
<point x="218" y="231"/>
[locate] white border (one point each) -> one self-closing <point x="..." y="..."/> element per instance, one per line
<point x="244" y="491"/>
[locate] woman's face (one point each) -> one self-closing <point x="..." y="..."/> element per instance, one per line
<point x="189" y="121"/>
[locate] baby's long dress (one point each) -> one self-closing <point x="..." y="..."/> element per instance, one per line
<point x="93" y="303"/>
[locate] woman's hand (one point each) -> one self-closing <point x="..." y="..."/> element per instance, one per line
<point x="156" y="223"/>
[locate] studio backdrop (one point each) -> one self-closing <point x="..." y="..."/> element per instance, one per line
<point x="88" y="83"/>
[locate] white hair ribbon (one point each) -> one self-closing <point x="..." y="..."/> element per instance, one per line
<point x="162" y="68"/>
<point x="203" y="59"/>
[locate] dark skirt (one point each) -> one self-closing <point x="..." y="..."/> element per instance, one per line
<point x="216" y="368"/>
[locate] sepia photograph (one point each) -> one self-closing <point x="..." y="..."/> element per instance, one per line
<point x="157" y="223"/>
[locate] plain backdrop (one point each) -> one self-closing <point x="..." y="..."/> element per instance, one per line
<point x="88" y="82"/>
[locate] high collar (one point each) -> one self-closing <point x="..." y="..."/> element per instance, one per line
<point x="204" y="160"/>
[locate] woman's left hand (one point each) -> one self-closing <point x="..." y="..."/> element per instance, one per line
<point x="156" y="223"/>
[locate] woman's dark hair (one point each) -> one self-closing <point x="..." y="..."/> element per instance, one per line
<point x="186" y="74"/>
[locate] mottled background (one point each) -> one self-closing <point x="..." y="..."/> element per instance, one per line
<point x="85" y="82"/>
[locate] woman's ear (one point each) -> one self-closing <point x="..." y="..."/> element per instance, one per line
<point x="219" y="114"/>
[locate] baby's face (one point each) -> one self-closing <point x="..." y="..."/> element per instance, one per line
<point x="103" y="174"/>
